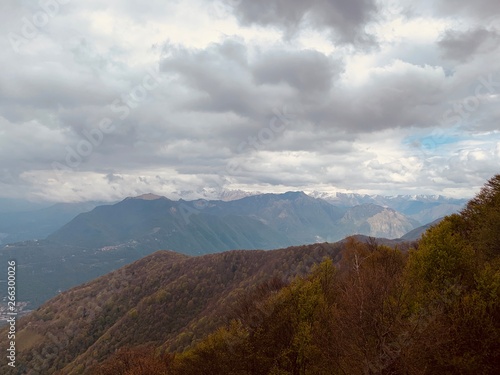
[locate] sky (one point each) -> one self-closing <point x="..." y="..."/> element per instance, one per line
<point x="103" y="100"/>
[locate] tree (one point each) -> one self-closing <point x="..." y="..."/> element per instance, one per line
<point x="482" y="215"/>
<point x="453" y="288"/>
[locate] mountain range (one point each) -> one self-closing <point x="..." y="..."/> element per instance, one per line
<point x="110" y="236"/>
<point x="25" y="220"/>
<point x="262" y="221"/>
<point x="423" y="208"/>
<point x="171" y="300"/>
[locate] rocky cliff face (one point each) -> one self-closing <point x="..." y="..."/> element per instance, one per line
<point x="376" y="221"/>
<point x="389" y="223"/>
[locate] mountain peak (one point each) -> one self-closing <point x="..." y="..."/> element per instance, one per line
<point x="294" y="194"/>
<point x="148" y="197"/>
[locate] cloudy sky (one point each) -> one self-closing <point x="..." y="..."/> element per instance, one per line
<point x="102" y="100"/>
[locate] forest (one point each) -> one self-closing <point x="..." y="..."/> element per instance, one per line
<point x="432" y="309"/>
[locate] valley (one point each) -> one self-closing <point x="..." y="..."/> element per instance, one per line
<point x="112" y="235"/>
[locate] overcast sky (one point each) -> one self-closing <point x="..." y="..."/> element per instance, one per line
<point x="107" y="99"/>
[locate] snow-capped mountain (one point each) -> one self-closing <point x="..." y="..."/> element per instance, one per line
<point x="423" y="208"/>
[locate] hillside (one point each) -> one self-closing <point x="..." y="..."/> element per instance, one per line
<point x="376" y="221"/>
<point x="195" y="227"/>
<point x="351" y="307"/>
<point x="162" y="223"/>
<point x="46" y="268"/>
<point x="163" y="299"/>
<point x="434" y="310"/>
<point x="113" y="235"/>
<point x="422" y="208"/>
<point x="417" y="233"/>
<point x="262" y="221"/>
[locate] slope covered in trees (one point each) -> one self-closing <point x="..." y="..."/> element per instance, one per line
<point x="347" y="308"/>
<point x="111" y="236"/>
<point x="433" y="310"/>
<point x="165" y="299"/>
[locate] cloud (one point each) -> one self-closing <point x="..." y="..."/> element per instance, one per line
<point x="398" y="94"/>
<point x="264" y="96"/>
<point x="225" y="78"/>
<point x="218" y="73"/>
<point x="306" y="71"/>
<point x="463" y="46"/>
<point x="481" y="9"/>
<point x="344" y="20"/>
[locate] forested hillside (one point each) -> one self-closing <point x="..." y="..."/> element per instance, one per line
<point x="165" y="299"/>
<point x="111" y="236"/>
<point x="434" y="310"/>
<point x="347" y="308"/>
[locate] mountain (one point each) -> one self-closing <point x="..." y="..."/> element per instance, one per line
<point x="154" y="222"/>
<point x="366" y="308"/>
<point x="24" y="220"/>
<point x="213" y="194"/>
<point x="23" y="225"/>
<point x="262" y="221"/>
<point x="113" y="235"/>
<point x="376" y="221"/>
<point x="417" y="233"/>
<point x="422" y="208"/>
<point x="165" y="299"/>
<point x="301" y="218"/>
<point x="435" y="212"/>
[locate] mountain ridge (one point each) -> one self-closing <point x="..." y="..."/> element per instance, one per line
<point x="163" y="297"/>
<point x="112" y="235"/>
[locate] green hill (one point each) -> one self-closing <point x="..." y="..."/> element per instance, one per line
<point x="432" y="310"/>
<point x="164" y="299"/>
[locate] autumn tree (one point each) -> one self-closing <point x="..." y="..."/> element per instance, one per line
<point x="453" y="285"/>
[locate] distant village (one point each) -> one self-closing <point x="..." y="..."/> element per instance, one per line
<point x="21" y="310"/>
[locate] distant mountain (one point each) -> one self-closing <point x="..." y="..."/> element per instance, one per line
<point x="212" y="194"/>
<point x="9" y="205"/>
<point x="263" y="221"/>
<point x="376" y="221"/>
<point x="23" y="225"/>
<point x="163" y="299"/>
<point x="110" y="236"/>
<point x="359" y="315"/>
<point x="422" y="208"/>
<point x="154" y="222"/>
<point x="301" y="218"/>
<point x="23" y="220"/>
<point x="417" y="233"/>
<point x="436" y="212"/>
